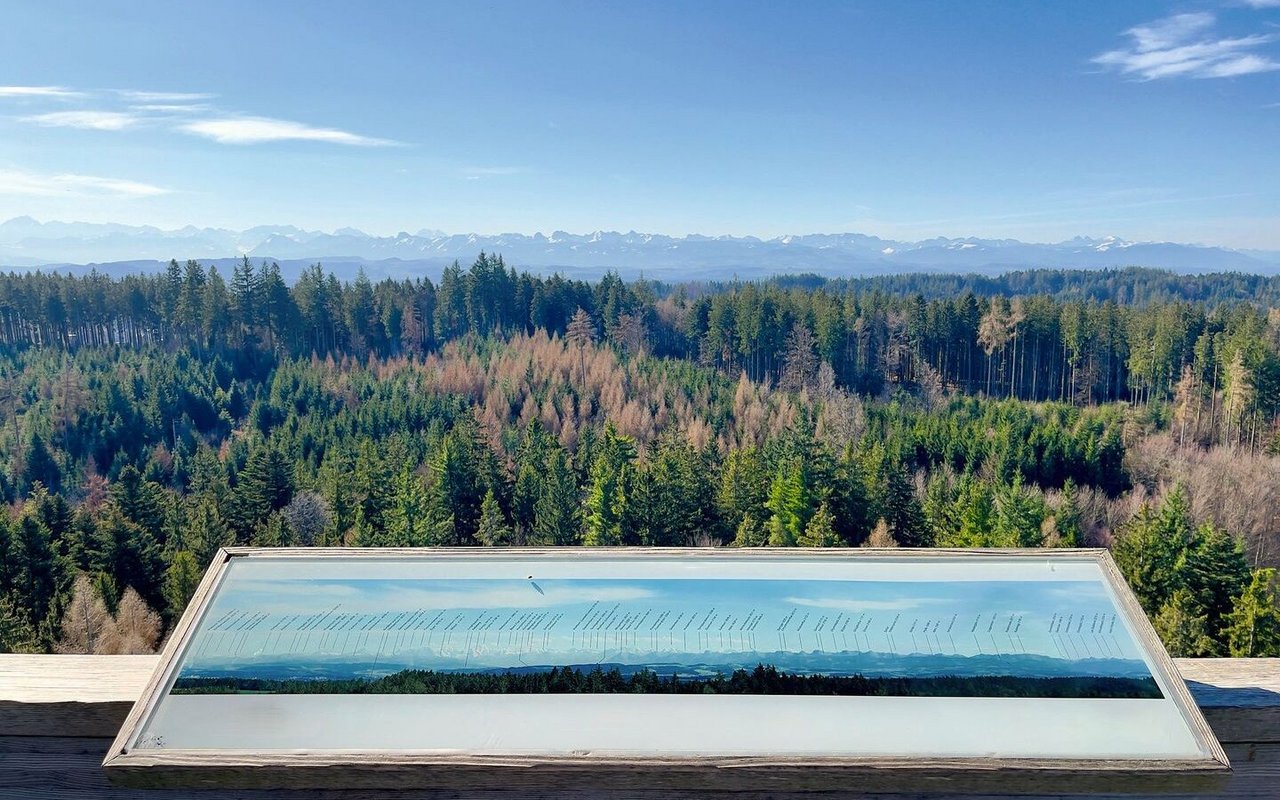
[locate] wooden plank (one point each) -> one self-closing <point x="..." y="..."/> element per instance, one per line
<point x="1240" y="697"/>
<point x="66" y="695"/>
<point x="57" y="768"/>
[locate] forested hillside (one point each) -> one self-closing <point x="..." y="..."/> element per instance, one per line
<point x="147" y="421"/>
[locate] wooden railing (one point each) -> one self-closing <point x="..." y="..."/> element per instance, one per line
<point x="59" y="713"/>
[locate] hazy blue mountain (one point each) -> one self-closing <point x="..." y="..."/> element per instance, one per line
<point x="25" y="242"/>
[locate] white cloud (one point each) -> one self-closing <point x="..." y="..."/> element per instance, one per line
<point x="91" y="120"/>
<point x="163" y="97"/>
<point x="1262" y="3"/>
<point x="1184" y="45"/>
<point x="37" y="91"/>
<point x="257" y="130"/>
<point x="34" y="184"/>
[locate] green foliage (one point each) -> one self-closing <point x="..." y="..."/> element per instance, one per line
<point x="1184" y="631"/>
<point x="820" y="532"/>
<point x="1152" y="548"/>
<point x="494" y="530"/>
<point x="180" y="581"/>
<point x="1253" y="626"/>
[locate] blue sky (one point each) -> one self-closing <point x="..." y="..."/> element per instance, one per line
<point x="1037" y="121"/>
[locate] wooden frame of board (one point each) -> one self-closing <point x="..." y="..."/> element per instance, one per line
<point x="763" y="773"/>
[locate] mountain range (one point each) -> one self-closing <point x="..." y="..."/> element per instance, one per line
<point x="118" y="249"/>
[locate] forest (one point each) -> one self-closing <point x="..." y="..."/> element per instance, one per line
<point x="147" y="421"/>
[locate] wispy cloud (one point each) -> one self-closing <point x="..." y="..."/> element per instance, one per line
<point x="63" y="184"/>
<point x="91" y="120"/>
<point x="1185" y="45"/>
<point x="258" y="130"/>
<point x="171" y="108"/>
<point x="166" y="110"/>
<point x="163" y="97"/>
<point x="1262" y="3"/>
<point x="38" y="91"/>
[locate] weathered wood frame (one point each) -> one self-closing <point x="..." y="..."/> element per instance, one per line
<point x="303" y="769"/>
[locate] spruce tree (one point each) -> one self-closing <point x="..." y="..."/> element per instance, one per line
<point x="556" y="514"/>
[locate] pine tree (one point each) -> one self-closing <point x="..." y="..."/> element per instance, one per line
<point x="1253" y="626"/>
<point x="41" y="466"/>
<point x="140" y="501"/>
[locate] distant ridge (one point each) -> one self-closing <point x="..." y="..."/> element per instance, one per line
<point x="25" y="242"/>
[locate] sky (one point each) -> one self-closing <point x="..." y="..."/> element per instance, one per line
<point x="1036" y="121"/>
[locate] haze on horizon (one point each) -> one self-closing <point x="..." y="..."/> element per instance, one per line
<point x="1150" y="121"/>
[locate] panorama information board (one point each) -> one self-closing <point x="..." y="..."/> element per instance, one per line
<point x="292" y="664"/>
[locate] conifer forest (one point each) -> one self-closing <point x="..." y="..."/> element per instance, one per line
<point x="148" y="420"/>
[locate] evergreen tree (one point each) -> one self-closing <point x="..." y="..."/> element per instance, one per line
<point x="494" y="530"/>
<point x="788" y="506"/>
<point x="180" y="581"/>
<point x="750" y="533"/>
<point x="1253" y="626"/>
<point x="1214" y="573"/>
<point x="606" y="493"/>
<point x="556" y="515"/>
<point x="1182" y="628"/>
<point x="820" y="532"/>
<point x="1150" y="549"/>
<point x="17" y="634"/>
<point x="40" y="466"/>
<point x="1017" y="517"/>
